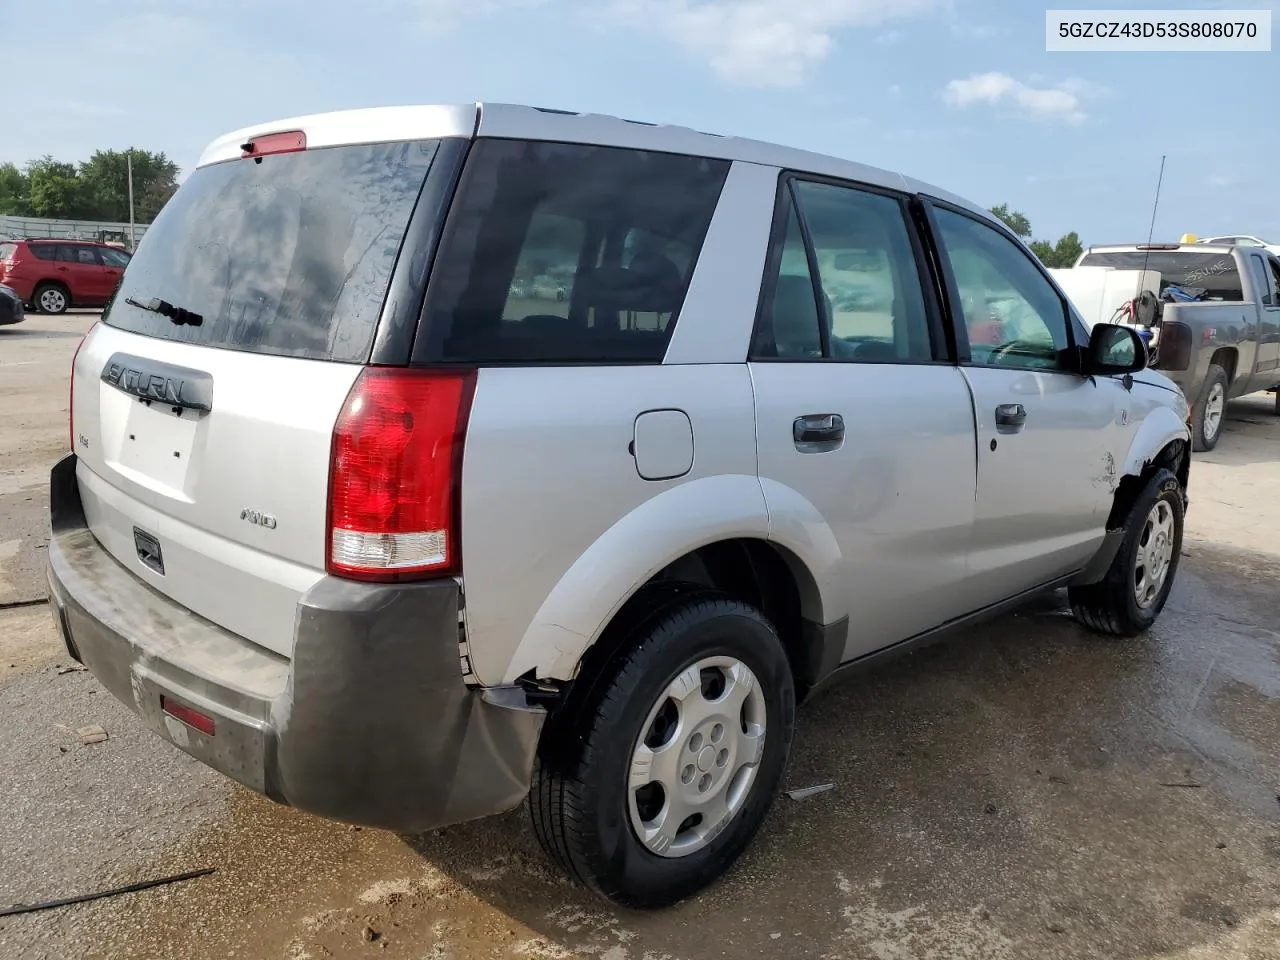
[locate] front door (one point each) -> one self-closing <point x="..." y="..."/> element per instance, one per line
<point x="86" y="277"/>
<point x="864" y="431"/>
<point x="1048" y="461"/>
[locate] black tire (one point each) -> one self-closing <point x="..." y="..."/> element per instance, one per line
<point x="579" y="799"/>
<point x="47" y="288"/>
<point x="1111" y="606"/>
<point x="1215" y="379"/>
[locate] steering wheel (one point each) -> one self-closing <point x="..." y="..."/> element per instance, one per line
<point x="1002" y="351"/>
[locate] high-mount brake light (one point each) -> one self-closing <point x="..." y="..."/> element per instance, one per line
<point x="288" y="141"/>
<point x="394" y="476"/>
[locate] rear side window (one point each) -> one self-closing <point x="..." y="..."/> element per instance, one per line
<point x="1213" y="274"/>
<point x="289" y="256"/>
<point x="565" y="253"/>
<point x="43" y="251"/>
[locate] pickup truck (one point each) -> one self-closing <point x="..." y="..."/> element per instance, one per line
<point x="1215" y="321"/>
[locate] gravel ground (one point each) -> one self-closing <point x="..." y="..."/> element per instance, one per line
<point x="1024" y="790"/>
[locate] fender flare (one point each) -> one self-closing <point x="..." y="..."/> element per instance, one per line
<point x="1160" y="428"/>
<point x="658" y="532"/>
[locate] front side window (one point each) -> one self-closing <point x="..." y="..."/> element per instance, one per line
<point x="1012" y="314"/>
<point x="567" y="253"/>
<point x="85" y="255"/>
<point x="114" y="258"/>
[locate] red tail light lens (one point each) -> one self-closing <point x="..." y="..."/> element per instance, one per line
<point x="71" y="392"/>
<point x="394" y="475"/>
<point x="1174" y="349"/>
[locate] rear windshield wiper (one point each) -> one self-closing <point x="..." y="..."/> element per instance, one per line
<point x="178" y="315"/>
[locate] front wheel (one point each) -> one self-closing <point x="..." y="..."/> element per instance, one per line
<point x="51" y="298"/>
<point x="1132" y="594"/>
<point x="1210" y="410"/>
<point x="668" y="772"/>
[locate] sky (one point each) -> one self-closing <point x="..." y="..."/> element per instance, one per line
<point x="958" y="93"/>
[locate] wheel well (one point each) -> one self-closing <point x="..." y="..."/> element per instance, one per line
<point x="756" y="572"/>
<point x="1227" y="359"/>
<point x="1173" y="458"/>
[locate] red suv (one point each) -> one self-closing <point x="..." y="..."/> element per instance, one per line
<point x="53" y="275"/>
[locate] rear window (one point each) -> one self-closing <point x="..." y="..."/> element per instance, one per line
<point x="7" y="250"/>
<point x="290" y="256"/>
<point x="565" y="253"/>
<point x="1214" y="273"/>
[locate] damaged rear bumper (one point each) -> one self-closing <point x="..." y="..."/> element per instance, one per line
<point x="369" y="722"/>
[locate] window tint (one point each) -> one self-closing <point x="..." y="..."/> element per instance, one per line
<point x="43" y="251"/>
<point x="1213" y="273"/>
<point x="85" y="255"/>
<point x="114" y="258"/>
<point x="1013" y="315"/>
<point x="870" y="294"/>
<point x="788" y="327"/>
<point x="1260" y="273"/>
<point x="288" y="256"/>
<point x="567" y="253"/>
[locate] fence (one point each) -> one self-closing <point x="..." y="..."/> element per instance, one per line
<point x="15" y="228"/>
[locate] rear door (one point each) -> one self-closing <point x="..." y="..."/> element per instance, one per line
<point x="1264" y="272"/>
<point x="204" y="447"/>
<point x="1050" y="441"/>
<point x="859" y="412"/>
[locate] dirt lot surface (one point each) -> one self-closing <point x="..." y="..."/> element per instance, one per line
<point x="1025" y="790"/>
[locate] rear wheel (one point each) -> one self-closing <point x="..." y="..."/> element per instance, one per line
<point x="667" y="773"/>
<point x="1131" y="596"/>
<point x="51" y="298"/>
<point x="1210" y="410"/>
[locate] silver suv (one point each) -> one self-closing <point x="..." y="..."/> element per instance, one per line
<point x="358" y="515"/>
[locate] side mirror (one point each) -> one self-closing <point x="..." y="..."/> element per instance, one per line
<point x="1115" y="350"/>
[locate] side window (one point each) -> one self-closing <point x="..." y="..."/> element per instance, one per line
<point x="67" y="253"/>
<point x="43" y="251"/>
<point x="870" y="298"/>
<point x="543" y="280"/>
<point x="1264" y="286"/>
<point x="567" y="253"/>
<point x="114" y="258"/>
<point x="788" y="327"/>
<point x="1013" y="315"/>
<point x="1275" y="278"/>
<point x="86" y="255"/>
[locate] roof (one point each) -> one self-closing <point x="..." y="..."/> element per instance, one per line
<point x="1198" y="247"/>
<point x="387" y="124"/>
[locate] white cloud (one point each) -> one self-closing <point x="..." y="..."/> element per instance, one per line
<point x="762" y="43"/>
<point x="1061" y="101"/>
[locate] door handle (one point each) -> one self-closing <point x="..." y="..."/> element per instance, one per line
<point x="1011" y="415"/>
<point x="825" y="428"/>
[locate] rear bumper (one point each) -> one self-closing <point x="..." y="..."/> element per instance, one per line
<point x="369" y="722"/>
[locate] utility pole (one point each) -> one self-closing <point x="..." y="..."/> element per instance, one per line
<point x="133" y="240"/>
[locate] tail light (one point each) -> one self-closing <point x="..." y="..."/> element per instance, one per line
<point x="394" y="475"/>
<point x="1174" y="352"/>
<point x="71" y="392"/>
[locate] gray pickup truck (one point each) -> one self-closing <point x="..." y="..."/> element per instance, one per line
<point x="1223" y="344"/>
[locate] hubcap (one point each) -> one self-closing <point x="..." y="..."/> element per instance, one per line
<point x="52" y="301"/>
<point x="696" y="759"/>
<point x="1213" y="409"/>
<point x="1155" y="553"/>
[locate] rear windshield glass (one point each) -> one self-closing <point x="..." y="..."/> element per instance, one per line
<point x="7" y="250"/>
<point x="290" y="256"/>
<point x="1214" y="273"/>
<point x="567" y="253"/>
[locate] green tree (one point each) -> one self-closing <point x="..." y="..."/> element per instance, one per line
<point x="54" y="189"/>
<point x="1015" y="221"/>
<point x="1064" y="253"/>
<point x="14" y="191"/>
<point x="105" y="176"/>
